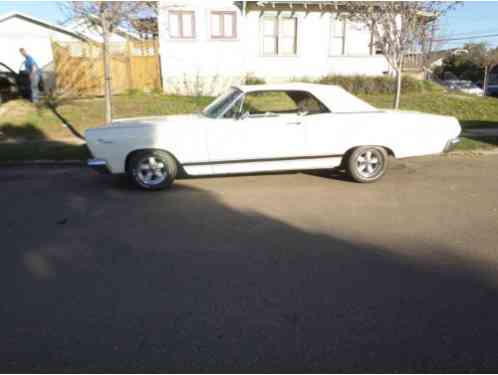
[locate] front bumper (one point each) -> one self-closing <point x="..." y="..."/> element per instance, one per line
<point x="451" y="144"/>
<point x="98" y="165"/>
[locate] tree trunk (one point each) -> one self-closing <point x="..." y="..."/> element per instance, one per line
<point x="397" y="96"/>
<point x="107" y="69"/>
<point x="486" y="78"/>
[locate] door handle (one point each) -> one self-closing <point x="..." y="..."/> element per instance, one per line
<point x="294" y="123"/>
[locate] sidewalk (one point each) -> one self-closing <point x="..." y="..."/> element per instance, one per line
<point x="480" y="132"/>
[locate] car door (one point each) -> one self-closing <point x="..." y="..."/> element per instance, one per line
<point x="262" y="140"/>
<point x="327" y="134"/>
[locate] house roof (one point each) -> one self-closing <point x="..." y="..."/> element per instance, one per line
<point x="91" y="30"/>
<point x="335" y="98"/>
<point x="61" y="29"/>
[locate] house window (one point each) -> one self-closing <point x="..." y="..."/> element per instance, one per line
<point x="182" y="24"/>
<point x="279" y="36"/>
<point x="223" y="25"/>
<point x="338" y="37"/>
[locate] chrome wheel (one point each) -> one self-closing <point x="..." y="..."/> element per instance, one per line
<point x="151" y="171"/>
<point x="369" y="163"/>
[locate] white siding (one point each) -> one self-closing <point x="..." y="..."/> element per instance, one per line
<point x="206" y="66"/>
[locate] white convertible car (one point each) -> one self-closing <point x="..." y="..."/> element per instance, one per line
<point x="269" y="128"/>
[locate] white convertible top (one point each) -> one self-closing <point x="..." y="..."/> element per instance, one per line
<point x="335" y="98"/>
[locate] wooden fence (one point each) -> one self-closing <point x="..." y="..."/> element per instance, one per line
<point x="79" y="67"/>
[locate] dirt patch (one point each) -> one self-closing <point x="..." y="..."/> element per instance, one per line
<point x="18" y="108"/>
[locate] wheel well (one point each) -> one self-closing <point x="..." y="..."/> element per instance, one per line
<point x="389" y="151"/>
<point x="131" y="154"/>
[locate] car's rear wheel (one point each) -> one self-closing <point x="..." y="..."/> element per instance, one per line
<point x="367" y="163"/>
<point x="152" y="170"/>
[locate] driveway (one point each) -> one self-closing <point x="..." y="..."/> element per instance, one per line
<point x="283" y="272"/>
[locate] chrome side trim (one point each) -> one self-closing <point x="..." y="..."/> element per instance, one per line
<point x="218" y="162"/>
<point x="98" y="165"/>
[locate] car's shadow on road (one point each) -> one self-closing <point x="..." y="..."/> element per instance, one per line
<point x="106" y="277"/>
<point x="335" y="174"/>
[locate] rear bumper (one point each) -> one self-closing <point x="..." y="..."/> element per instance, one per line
<point x="451" y="144"/>
<point x="98" y="165"/>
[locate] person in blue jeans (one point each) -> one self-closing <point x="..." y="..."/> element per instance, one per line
<point x="34" y="75"/>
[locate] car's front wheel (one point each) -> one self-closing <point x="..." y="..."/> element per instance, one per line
<point x="152" y="170"/>
<point x="367" y="163"/>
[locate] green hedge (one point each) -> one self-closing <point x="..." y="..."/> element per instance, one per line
<point x="379" y="85"/>
<point x="252" y="80"/>
<point x="363" y="85"/>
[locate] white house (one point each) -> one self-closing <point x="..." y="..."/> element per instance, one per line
<point x="208" y="45"/>
<point x="19" y="30"/>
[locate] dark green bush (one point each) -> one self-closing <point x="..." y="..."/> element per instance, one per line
<point x="364" y="85"/>
<point x="252" y="80"/>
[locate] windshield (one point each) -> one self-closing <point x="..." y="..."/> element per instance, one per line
<point x="220" y="104"/>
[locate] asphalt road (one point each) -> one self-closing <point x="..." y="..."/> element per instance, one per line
<point x="285" y="272"/>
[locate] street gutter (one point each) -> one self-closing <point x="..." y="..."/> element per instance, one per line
<point x="43" y="163"/>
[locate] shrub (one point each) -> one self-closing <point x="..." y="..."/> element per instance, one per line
<point x="365" y="85"/>
<point x="303" y="79"/>
<point x="253" y="80"/>
<point x="134" y="92"/>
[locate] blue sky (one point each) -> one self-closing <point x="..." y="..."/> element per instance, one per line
<point x="48" y="10"/>
<point x="470" y="18"/>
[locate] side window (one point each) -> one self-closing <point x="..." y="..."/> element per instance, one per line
<point x="279" y="36"/>
<point x="307" y="103"/>
<point x="268" y="102"/>
<point x="181" y="24"/>
<point x="223" y="25"/>
<point x="337" y="37"/>
<point x="265" y="103"/>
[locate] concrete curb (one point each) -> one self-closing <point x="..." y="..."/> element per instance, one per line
<point x="477" y="133"/>
<point x="68" y="141"/>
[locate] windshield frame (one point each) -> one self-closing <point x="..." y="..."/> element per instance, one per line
<point x="233" y="95"/>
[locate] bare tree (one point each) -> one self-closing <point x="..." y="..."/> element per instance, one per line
<point x="104" y="17"/>
<point x="397" y="27"/>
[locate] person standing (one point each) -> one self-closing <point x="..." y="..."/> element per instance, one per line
<point x="34" y="75"/>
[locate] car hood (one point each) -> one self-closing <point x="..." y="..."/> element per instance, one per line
<point x="137" y="123"/>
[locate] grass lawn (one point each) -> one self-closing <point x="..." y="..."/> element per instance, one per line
<point x="22" y="120"/>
